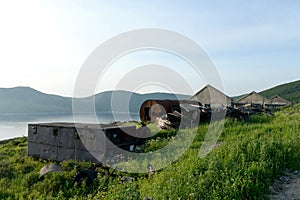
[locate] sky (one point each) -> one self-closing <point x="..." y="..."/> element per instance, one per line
<point x="254" y="45"/>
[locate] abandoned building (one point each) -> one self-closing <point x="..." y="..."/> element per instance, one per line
<point x="277" y="102"/>
<point x="212" y="97"/>
<point x="254" y="99"/>
<point x="61" y="141"/>
<point x="151" y="109"/>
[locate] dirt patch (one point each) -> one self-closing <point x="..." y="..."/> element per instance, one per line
<point x="287" y="187"/>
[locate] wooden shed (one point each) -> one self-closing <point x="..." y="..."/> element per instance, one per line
<point x="210" y="96"/>
<point x="151" y="109"/>
<point x="277" y="102"/>
<point x="254" y="99"/>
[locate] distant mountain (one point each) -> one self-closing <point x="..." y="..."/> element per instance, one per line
<point x="25" y="100"/>
<point x="124" y="101"/>
<point x="289" y="91"/>
<point x="22" y="100"/>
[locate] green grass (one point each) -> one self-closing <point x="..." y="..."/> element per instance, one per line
<point x="248" y="158"/>
<point x="289" y="91"/>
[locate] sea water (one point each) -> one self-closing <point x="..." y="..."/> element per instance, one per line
<point x="12" y="126"/>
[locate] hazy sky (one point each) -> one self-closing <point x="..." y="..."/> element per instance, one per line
<point x="254" y="44"/>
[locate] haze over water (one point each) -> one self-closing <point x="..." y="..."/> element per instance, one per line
<point x="12" y="126"/>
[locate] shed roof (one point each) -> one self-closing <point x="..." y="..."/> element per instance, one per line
<point x="278" y="100"/>
<point x="210" y="94"/>
<point x="254" y="98"/>
<point x="210" y="88"/>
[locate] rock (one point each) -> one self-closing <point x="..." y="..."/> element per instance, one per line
<point x="296" y="172"/>
<point x="148" y="198"/>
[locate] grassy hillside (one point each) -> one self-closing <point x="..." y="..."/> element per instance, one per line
<point x="248" y="158"/>
<point x="289" y="91"/>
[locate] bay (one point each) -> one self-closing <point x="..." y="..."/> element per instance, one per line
<point x="12" y="126"/>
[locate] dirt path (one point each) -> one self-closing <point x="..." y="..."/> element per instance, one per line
<point x="287" y="187"/>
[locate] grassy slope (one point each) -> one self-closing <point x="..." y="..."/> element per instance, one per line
<point x="289" y="91"/>
<point x="242" y="167"/>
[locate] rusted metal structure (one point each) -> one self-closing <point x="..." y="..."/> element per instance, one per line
<point x="151" y="109"/>
<point x="212" y="97"/>
<point x="61" y="141"/>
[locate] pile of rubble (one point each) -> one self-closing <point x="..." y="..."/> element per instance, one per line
<point x="190" y="115"/>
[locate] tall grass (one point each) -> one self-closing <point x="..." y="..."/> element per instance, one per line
<point x="248" y="157"/>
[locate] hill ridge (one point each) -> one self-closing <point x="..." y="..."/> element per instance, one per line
<point x="27" y="100"/>
<point x="290" y="91"/>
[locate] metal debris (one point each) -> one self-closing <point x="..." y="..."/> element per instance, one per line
<point x="190" y="116"/>
<point x="151" y="169"/>
<point x="87" y="175"/>
<point x="49" y="168"/>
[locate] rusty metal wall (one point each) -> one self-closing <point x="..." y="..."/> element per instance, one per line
<point x="159" y="107"/>
<point x="61" y="141"/>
